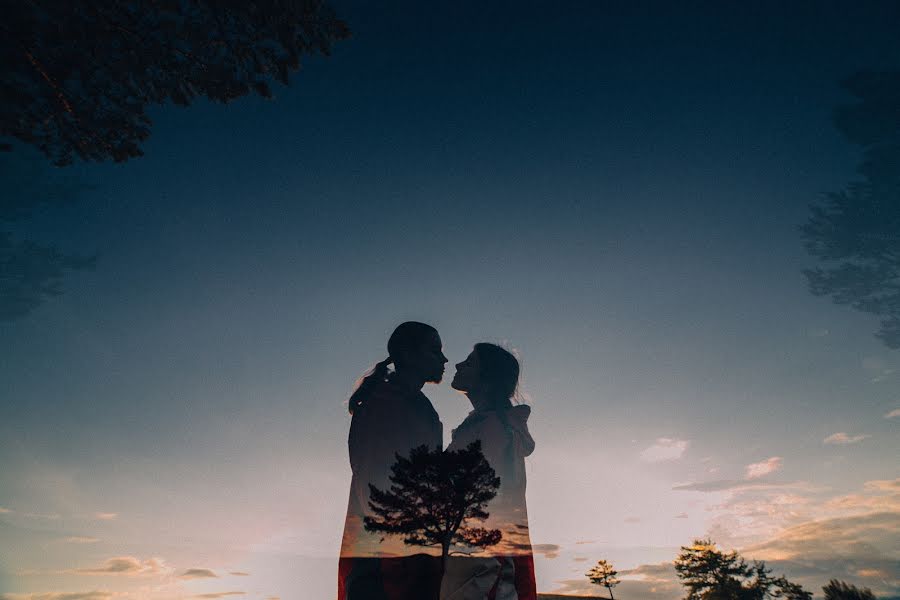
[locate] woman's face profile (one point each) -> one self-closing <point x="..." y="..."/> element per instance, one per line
<point x="466" y="377"/>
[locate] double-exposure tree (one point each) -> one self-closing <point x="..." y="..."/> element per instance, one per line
<point x="79" y="75"/>
<point x="435" y="497"/>
<point x="604" y="575"/>
<point x="855" y="232"/>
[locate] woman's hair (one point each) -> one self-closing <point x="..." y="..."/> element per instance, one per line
<point x="407" y="338"/>
<point x="499" y="370"/>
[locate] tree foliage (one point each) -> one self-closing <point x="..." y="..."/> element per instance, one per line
<point x="603" y="574"/>
<point x="433" y="497"/>
<point x="840" y="590"/>
<point x="79" y="75"/>
<point x="856" y="231"/>
<point x="711" y="574"/>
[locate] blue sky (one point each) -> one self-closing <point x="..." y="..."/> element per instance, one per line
<point x="612" y="190"/>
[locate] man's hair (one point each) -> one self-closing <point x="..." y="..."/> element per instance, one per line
<point x="407" y="338"/>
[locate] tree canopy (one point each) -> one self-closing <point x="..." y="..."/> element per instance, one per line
<point x="604" y="574"/>
<point x="840" y="590"/>
<point x="433" y="497"/>
<point x="708" y="573"/>
<point x="856" y="230"/>
<point x="79" y="75"/>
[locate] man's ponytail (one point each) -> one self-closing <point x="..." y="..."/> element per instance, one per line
<point x="378" y="374"/>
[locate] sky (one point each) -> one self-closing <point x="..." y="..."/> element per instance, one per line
<point x="611" y="189"/>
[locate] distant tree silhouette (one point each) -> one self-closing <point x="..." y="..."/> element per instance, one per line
<point x="604" y="575"/>
<point x="78" y="75"/>
<point x="839" y="590"/>
<point x="856" y="231"/>
<point x="710" y="574"/>
<point x="433" y="496"/>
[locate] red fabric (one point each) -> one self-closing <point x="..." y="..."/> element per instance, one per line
<point x="526" y="585"/>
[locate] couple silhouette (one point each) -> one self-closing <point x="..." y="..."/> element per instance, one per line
<point x="390" y="417"/>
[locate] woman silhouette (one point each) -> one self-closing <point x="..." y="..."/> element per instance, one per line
<point x="489" y="378"/>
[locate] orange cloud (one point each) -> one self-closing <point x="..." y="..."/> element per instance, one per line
<point x="842" y="439"/>
<point x="197" y="574"/>
<point x="125" y="565"/>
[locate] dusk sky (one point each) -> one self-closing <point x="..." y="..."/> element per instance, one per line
<point x="611" y="189"/>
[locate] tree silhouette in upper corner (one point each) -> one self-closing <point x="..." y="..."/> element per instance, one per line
<point x="711" y="574"/>
<point x="604" y="575"/>
<point x="856" y="231"/>
<point x="433" y="497"/>
<point x="840" y="590"/>
<point x="79" y="75"/>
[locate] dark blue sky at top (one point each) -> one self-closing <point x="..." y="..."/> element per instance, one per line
<point x="447" y="160"/>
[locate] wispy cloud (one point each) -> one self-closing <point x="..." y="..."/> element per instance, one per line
<point x="239" y="573"/>
<point x="841" y="438"/>
<point x="95" y="595"/>
<point x="880" y="574"/>
<point x="546" y="550"/>
<point x="883" y="485"/>
<point x="219" y="594"/>
<point x="197" y="574"/>
<point x="4" y="510"/>
<point x="728" y="485"/>
<point x="655" y="572"/>
<point x="892" y="414"/>
<point x="125" y="565"/>
<point x="106" y="516"/>
<point x="665" y="449"/>
<point x="762" y="468"/>
<point x="79" y="539"/>
<point x="868" y="540"/>
<point x="874" y="500"/>
<point x="683" y="515"/>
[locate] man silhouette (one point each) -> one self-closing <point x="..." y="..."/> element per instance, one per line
<point x="391" y="416"/>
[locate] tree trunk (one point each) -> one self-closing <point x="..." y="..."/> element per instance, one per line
<point x="445" y="552"/>
<point x="610" y="593"/>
